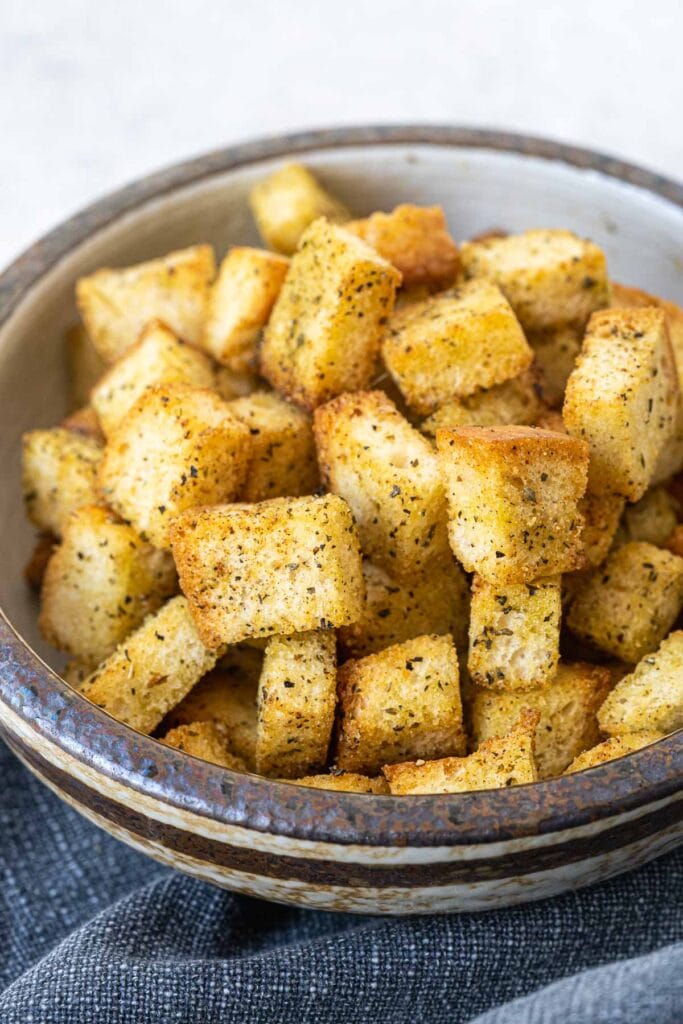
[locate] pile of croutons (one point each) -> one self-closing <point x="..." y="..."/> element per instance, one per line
<point x="368" y="510"/>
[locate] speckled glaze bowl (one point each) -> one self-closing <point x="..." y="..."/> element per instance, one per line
<point x="331" y="850"/>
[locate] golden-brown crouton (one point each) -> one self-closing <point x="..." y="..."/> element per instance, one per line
<point x="86" y="422"/>
<point x="296" y="701"/>
<point x="622" y="398"/>
<point x="601" y="513"/>
<point x="631" y="602"/>
<point x="652" y="696"/>
<point x="177" y="448"/>
<point x="324" y="334"/>
<point x="231" y="385"/>
<point x="84" y="365"/>
<point x="499" y="762"/>
<point x="206" y="740"/>
<point x="287" y="202"/>
<point x="152" y="670"/>
<point x="516" y="401"/>
<point x="116" y="304"/>
<point x="652" y="519"/>
<point x="399" y="703"/>
<point x="281" y="566"/>
<point x="556" y="352"/>
<point x="100" y="584"/>
<point x="514" y="633"/>
<point x="283" y="458"/>
<point x="388" y="473"/>
<point x="453" y="344"/>
<point x="34" y="570"/>
<point x="343" y="782"/>
<point x="550" y="277"/>
<point x="157" y="358"/>
<point x="615" y="746"/>
<point x="513" y="495"/>
<point x="59" y="475"/>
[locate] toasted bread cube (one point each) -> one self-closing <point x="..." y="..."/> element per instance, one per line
<point x="343" y="782"/>
<point x="515" y="633"/>
<point x="100" y="584"/>
<point x="629" y="605"/>
<point x="152" y="669"/>
<point x="157" y="358"/>
<point x="556" y="352"/>
<point x="84" y="365"/>
<point x="551" y="278"/>
<point x="241" y="301"/>
<point x="281" y="566"/>
<point x="59" y="475"/>
<point x="513" y="495"/>
<point x="568" y="710"/>
<point x="652" y="696"/>
<point x="388" y="473"/>
<point x="615" y="746"/>
<point x="116" y="304"/>
<point x="499" y="762"/>
<point x="287" y="202"/>
<point x="403" y="702"/>
<point x="283" y="460"/>
<point x="622" y="398"/>
<point x="34" y="570"/>
<point x="324" y="333"/>
<point x="206" y="740"/>
<point x="416" y="240"/>
<point x="601" y="513"/>
<point x="178" y="447"/>
<point x="652" y="519"/>
<point x="231" y="385"/>
<point x="515" y="401"/>
<point x="86" y="422"/>
<point x="296" y="701"/>
<point x="453" y="344"/>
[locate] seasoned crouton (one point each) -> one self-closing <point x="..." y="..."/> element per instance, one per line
<point x="453" y="344"/>
<point x="513" y="496"/>
<point x="324" y="333"/>
<point x="388" y="473"/>
<point x="231" y="385"/>
<point x="287" y="202"/>
<point x="556" y="352"/>
<point x="296" y="701"/>
<point x="116" y="304"/>
<point x="152" y="670"/>
<point x="601" y="513"/>
<point x="652" y="519"/>
<point x="622" y="398"/>
<point x="84" y="365"/>
<point x="86" y="422"/>
<point x="629" y="604"/>
<point x="206" y="740"/>
<point x="34" y="570"/>
<point x="59" y="475"/>
<point x="177" y="448"/>
<point x="343" y="782"/>
<point x="615" y="746"/>
<point x="516" y="401"/>
<point x="399" y="703"/>
<point x="652" y="696"/>
<point x="281" y="566"/>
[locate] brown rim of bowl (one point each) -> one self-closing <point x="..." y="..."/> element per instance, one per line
<point x="63" y="718"/>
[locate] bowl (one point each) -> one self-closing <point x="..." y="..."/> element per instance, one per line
<point x="338" y="851"/>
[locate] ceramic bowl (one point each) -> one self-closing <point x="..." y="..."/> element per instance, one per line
<point x="323" y="849"/>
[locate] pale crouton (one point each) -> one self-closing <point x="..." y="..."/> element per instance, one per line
<point x="84" y="365"/>
<point x="601" y="513"/>
<point x="343" y="782"/>
<point x="231" y="385"/>
<point x="206" y="740"/>
<point x="513" y="495"/>
<point x="556" y="352"/>
<point x="615" y="746"/>
<point x="177" y="448"/>
<point x="324" y="334"/>
<point x="652" y="519"/>
<point x="296" y="701"/>
<point x="516" y="401"/>
<point x="86" y="422"/>
<point x="287" y="202"/>
<point x="388" y="473"/>
<point x="403" y="702"/>
<point x="631" y="602"/>
<point x="652" y="696"/>
<point x="34" y="570"/>
<point x="622" y="398"/>
<point x="281" y="566"/>
<point x="59" y="475"/>
<point x="116" y="304"/>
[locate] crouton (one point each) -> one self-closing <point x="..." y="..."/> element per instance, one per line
<point x="629" y="604"/>
<point x="241" y="301"/>
<point x="86" y="422"/>
<point x="652" y="696"/>
<point x="514" y="633"/>
<point x="513" y="495"/>
<point x="100" y="583"/>
<point x="296" y="701"/>
<point x="324" y="333"/>
<point x="281" y="566"/>
<point x="652" y="519"/>
<point x="500" y="762"/>
<point x="287" y="202"/>
<point x="551" y="278"/>
<point x="84" y="365"/>
<point x="206" y="740"/>
<point x="615" y="746"/>
<point x="117" y="304"/>
<point x="157" y="358"/>
<point x="177" y="448"/>
<point x="516" y="401"/>
<point x="601" y="513"/>
<point x="416" y="240"/>
<point x="231" y="385"/>
<point x="388" y="473"/>
<point x="283" y="457"/>
<point x="34" y="570"/>
<point x="403" y="702"/>
<point x="622" y="398"/>
<point x="556" y="352"/>
<point x="343" y="782"/>
<point x="453" y="344"/>
<point x="152" y="670"/>
<point x="59" y="475"/>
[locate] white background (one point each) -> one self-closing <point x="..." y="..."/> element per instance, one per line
<point x="93" y="94"/>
